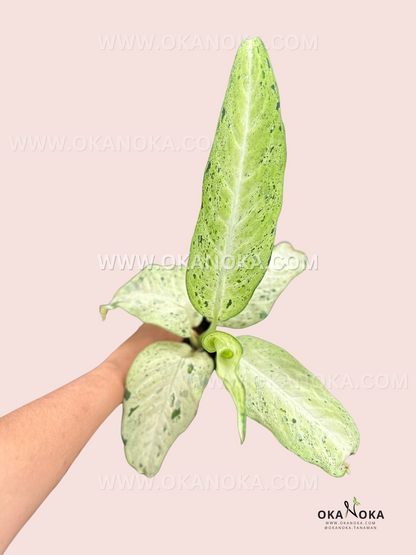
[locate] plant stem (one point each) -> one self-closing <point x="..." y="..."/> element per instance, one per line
<point x="195" y="340"/>
<point x="212" y="326"/>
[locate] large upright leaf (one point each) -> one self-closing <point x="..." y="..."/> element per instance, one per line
<point x="229" y="352"/>
<point x="157" y="295"/>
<point x="242" y="190"/>
<point x="294" y="405"/>
<point x="285" y="264"/>
<point x="163" y="389"/>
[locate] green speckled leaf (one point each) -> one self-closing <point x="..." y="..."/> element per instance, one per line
<point x="157" y="295"/>
<point x="163" y="389"/>
<point x="242" y="190"/>
<point x="229" y="353"/>
<point x="294" y="405"/>
<point x="285" y="264"/>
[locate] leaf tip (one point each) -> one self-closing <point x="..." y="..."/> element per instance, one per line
<point x="242" y="428"/>
<point x="103" y="311"/>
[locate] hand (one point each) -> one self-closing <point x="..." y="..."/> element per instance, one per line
<point x="40" y="441"/>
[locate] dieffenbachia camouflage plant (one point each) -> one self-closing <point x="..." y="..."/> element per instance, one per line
<point x="233" y="278"/>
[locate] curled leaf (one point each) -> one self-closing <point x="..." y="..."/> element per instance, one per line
<point x="229" y="353"/>
<point x="157" y="295"/>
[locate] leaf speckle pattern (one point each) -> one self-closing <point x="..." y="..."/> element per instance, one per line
<point x="285" y="264"/>
<point x="163" y="401"/>
<point x="242" y="189"/>
<point x="294" y="405"/>
<point x="157" y="295"/>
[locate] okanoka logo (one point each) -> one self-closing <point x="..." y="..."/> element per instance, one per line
<point x="351" y="510"/>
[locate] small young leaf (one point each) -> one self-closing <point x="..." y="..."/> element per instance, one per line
<point x="294" y="405"/>
<point x="229" y="353"/>
<point x="163" y="389"/>
<point x="285" y="264"/>
<point x="157" y="295"/>
<point x="242" y="190"/>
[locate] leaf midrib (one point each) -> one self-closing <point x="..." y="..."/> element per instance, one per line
<point x="163" y="410"/>
<point x="237" y="190"/>
<point x="149" y="294"/>
<point x="293" y="401"/>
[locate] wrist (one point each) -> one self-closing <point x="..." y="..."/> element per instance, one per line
<point x="118" y="364"/>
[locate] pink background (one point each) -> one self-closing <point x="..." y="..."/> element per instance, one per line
<point x="347" y="107"/>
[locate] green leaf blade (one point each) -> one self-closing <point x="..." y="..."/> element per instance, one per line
<point x="242" y="190"/>
<point x="157" y="295"/>
<point x="287" y="399"/>
<point x="285" y="264"/>
<point x="163" y="390"/>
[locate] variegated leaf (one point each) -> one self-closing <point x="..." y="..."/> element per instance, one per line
<point x="287" y="399"/>
<point x="157" y="295"/>
<point x="285" y="264"/>
<point x="163" y="389"/>
<point x="242" y="190"/>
